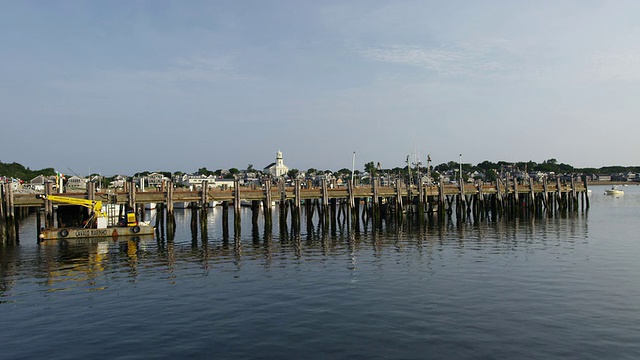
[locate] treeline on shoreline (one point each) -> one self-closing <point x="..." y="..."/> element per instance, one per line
<point x="18" y="171"/>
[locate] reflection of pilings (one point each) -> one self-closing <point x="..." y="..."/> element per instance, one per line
<point x="203" y="223"/>
<point x="255" y="215"/>
<point x="194" y="225"/>
<point x="171" y="226"/>
<point x="225" y="221"/>
<point x="255" y="212"/>
<point x="38" y="224"/>
<point x="160" y="233"/>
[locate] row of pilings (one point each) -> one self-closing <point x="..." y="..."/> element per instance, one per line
<point x="504" y="199"/>
<point x="509" y="200"/>
<point x="10" y="215"/>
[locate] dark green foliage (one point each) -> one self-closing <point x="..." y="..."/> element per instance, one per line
<point x="15" y="170"/>
<point x="204" y="172"/>
<point x="293" y="173"/>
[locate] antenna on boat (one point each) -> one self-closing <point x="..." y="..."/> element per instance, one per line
<point x="74" y="173"/>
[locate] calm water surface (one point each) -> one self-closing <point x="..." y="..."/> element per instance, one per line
<point x="565" y="287"/>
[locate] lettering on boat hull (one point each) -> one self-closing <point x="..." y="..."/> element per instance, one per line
<point x="90" y="232"/>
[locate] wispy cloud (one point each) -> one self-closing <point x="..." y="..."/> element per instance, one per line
<point x="615" y="67"/>
<point x="489" y="58"/>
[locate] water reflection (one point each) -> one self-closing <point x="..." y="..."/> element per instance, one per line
<point x="200" y="241"/>
<point x="63" y="264"/>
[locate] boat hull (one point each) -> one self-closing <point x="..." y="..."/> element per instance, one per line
<point x="79" y="233"/>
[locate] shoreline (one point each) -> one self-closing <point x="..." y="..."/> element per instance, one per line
<point x="613" y="183"/>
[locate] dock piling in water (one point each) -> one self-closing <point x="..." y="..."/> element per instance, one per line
<point x="330" y="204"/>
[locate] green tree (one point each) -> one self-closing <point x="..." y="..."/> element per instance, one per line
<point x="370" y="167"/>
<point x="293" y="173"/>
<point x="15" y="170"/>
<point x="204" y="172"/>
<point x="444" y="167"/>
<point x="344" y="172"/>
<point x="491" y="175"/>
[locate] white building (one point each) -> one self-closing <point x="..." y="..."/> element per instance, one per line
<point x="196" y="181"/>
<point x="76" y="182"/>
<point x="118" y="182"/>
<point x="38" y="183"/>
<point x="277" y="168"/>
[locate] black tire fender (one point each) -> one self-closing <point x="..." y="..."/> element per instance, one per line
<point x="64" y="233"/>
<point x="135" y="229"/>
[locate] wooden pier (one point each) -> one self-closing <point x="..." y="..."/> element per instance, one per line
<point x="470" y="202"/>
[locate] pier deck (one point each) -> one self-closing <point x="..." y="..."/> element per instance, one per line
<point x="250" y="194"/>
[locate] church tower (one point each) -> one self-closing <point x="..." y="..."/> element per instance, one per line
<point x="277" y="168"/>
<point x="279" y="162"/>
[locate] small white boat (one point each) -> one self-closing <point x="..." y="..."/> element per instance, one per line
<point x="614" y="191"/>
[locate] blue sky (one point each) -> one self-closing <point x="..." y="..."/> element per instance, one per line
<point x="127" y="86"/>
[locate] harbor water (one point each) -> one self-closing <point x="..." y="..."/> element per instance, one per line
<point x="564" y="287"/>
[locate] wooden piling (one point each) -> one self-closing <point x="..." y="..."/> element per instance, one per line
<point x="2" y="204"/>
<point x="351" y="195"/>
<point x="170" y="198"/>
<point x="586" y="190"/>
<point x="266" y="206"/>
<point x="399" y="208"/>
<point x="532" y="197"/>
<point x="441" y="198"/>
<point x="237" y="208"/>
<point x="132" y="194"/>
<point x="559" y="198"/>
<point x="325" y="203"/>
<point x="204" y="199"/>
